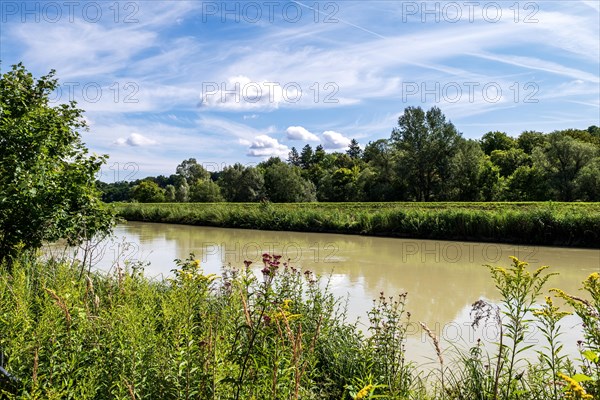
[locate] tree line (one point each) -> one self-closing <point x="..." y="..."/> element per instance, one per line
<point x="424" y="159"/>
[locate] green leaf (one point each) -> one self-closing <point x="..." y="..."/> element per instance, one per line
<point x="581" y="378"/>
<point x="591" y="356"/>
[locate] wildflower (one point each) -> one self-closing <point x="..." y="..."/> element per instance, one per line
<point x="550" y="311"/>
<point x="364" y="392"/>
<point x="284" y="312"/>
<point x="539" y="270"/>
<point x="575" y="388"/>
<point x="266" y="271"/>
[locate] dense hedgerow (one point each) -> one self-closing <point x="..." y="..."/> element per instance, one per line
<point x="569" y="224"/>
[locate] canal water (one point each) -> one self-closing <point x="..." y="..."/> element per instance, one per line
<point x="442" y="278"/>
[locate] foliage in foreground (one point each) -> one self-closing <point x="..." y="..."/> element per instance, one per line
<point x="47" y="177"/>
<point x="282" y="336"/>
<point x="570" y="224"/>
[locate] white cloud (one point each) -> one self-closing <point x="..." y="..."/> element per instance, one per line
<point x="266" y="146"/>
<point x="222" y="126"/>
<point x="238" y="93"/>
<point x="300" y="133"/>
<point x="135" y="140"/>
<point x="335" y="140"/>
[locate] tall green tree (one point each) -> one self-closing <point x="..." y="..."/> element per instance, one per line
<point x="354" y="150"/>
<point x="182" y="195"/>
<point x="527" y="183"/>
<point x="241" y="184"/>
<point x="170" y="193"/>
<point x="148" y="191"/>
<point x="319" y="154"/>
<point x="116" y="191"/>
<point x="294" y="157"/>
<point x="252" y="185"/>
<point x="306" y="157"/>
<point x="284" y="184"/>
<point x="47" y="178"/>
<point x="588" y="181"/>
<point x="529" y="140"/>
<point x="383" y="184"/>
<point x="496" y="141"/>
<point x="341" y="185"/>
<point x="229" y="180"/>
<point x="509" y="160"/>
<point x="427" y="143"/>
<point x="192" y="171"/>
<point x="490" y="182"/>
<point x="467" y="170"/>
<point x="564" y="159"/>
<point x="205" y="191"/>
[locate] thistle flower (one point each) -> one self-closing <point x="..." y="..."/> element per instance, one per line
<point x="266" y="271"/>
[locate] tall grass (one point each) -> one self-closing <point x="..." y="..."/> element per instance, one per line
<point x="568" y="224"/>
<point x="193" y="336"/>
<point x="274" y="334"/>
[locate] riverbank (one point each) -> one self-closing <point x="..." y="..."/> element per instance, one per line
<point x="284" y="335"/>
<point x="544" y="223"/>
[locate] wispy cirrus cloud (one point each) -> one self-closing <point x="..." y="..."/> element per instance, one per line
<point x="155" y="72"/>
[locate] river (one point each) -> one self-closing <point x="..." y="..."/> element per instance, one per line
<point x="442" y="278"/>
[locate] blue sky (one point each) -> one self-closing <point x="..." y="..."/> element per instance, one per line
<point x="239" y="81"/>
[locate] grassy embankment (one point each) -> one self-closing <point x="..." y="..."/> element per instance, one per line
<point x="565" y="224"/>
<point x="195" y="336"/>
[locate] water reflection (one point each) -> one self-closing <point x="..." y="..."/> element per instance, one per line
<point x="442" y="278"/>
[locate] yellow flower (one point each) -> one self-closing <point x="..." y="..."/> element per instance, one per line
<point x="364" y="392"/>
<point x="574" y="388"/>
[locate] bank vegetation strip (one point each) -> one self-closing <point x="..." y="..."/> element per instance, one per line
<point x="539" y="223"/>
